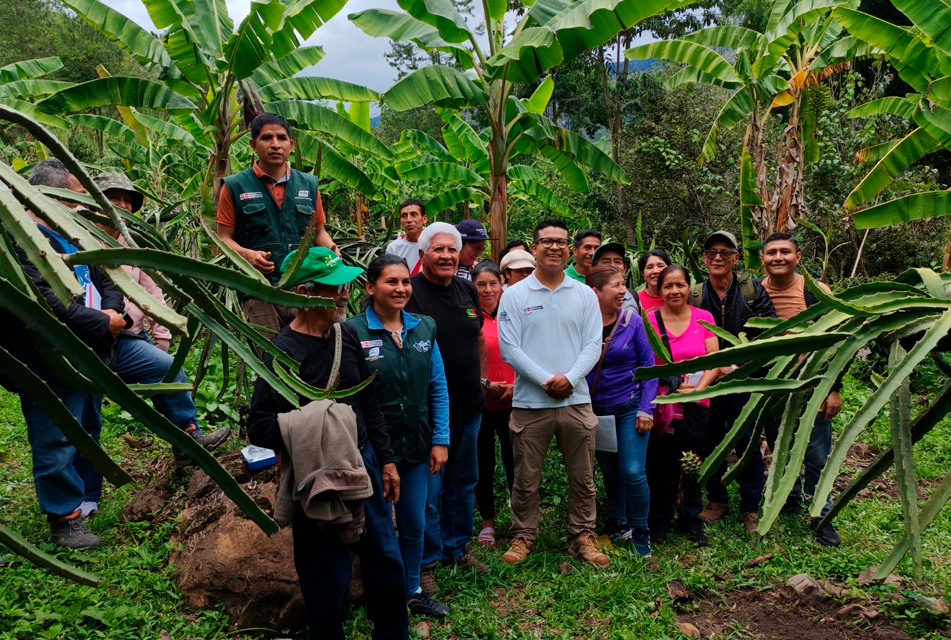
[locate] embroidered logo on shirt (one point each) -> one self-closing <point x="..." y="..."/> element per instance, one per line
<point x="533" y="309"/>
<point x="423" y="346"/>
<point x="374" y="352"/>
<point x="251" y="195"/>
<point x="372" y="343"/>
<point x="471" y="314"/>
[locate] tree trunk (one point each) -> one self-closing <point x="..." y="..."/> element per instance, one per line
<point x="787" y="200"/>
<point x="498" y="214"/>
<point x="761" y="214"/>
<point x="498" y="165"/>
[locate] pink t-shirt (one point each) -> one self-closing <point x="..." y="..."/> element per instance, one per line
<point x="649" y="302"/>
<point x="691" y="343"/>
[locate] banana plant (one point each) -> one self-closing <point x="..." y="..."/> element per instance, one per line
<point x="185" y="280"/>
<point x="23" y="81"/>
<point x="210" y="76"/>
<point x="921" y="55"/>
<point x="549" y="33"/>
<point x="912" y="316"/>
<point x="802" y="45"/>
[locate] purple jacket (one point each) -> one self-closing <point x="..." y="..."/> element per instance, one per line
<point x="629" y="350"/>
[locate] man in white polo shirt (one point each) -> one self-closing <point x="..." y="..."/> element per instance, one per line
<point x="550" y="333"/>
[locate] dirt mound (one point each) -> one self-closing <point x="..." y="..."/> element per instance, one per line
<point x="226" y="558"/>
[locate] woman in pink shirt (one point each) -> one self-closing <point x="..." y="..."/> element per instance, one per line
<point x="650" y="265"/>
<point x="678" y="325"/>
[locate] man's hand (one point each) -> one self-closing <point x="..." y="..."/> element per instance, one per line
<point x="832" y="406"/>
<point x="116" y="322"/>
<point x="259" y="260"/>
<point x="494" y="391"/>
<point x="437" y="458"/>
<point x="508" y="393"/>
<point x="644" y="425"/>
<point x="391" y="483"/>
<point x="558" y="387"/>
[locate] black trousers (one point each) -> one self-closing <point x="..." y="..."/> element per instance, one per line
<point x="324" y="566"/>
<point x="664" y="471"/>
<point x="493" y="423"/>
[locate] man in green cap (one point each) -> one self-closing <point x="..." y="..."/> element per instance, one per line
<point x="264" y="211"/>
<point x="322" y="560"/>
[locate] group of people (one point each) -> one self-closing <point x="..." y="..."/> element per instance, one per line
<point x="469" y="360"/>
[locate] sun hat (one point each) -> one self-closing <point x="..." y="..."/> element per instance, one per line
<point x="517" y="259"/>
<point x="116" y="180"/>
<point x="320" y="265"/>
<point x="723" y="236"/>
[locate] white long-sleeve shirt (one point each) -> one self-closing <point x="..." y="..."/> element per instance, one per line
<point x="545" y="333"/>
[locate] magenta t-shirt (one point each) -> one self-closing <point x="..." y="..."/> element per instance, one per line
<point x="649" y="302"/>
<point x="691" y="343"/>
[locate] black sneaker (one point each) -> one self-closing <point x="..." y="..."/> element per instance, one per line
<point x="70" y="533"/>
<point x="658" y="535"/>
<point x="827" y="536"/>
<point x="616" y="530"/>
<point x="210" y="441"/>
<point x="422" y="605"/>
<point x="696" y="534"/>
<point x="642" y="541"/>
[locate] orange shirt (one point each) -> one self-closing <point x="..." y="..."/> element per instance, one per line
<point x="225" y="213"/>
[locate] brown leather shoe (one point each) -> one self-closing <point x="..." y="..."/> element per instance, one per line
<point x="519" y="550"/>
<point x="427" y="579"/>
<point x="714" y="512"/>
<point x="585" y="548"/>
<point x="468" y="562"/>
<point x="750" y="520"/>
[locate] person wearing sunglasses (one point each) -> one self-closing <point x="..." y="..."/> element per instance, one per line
<point x="731" y="297"/>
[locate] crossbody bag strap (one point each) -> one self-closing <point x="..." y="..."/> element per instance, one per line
<point x="663" y="332"/>
<point x="334" y="378"/>
<point x="604" y="351"/>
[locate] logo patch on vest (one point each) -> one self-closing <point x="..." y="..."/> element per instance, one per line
<point x="303" y="194"/>
<point x="423" y="346"/>
<point x="251" y="195"/>
<point x="371" y="343"/>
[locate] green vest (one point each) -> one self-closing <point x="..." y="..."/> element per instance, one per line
<point x="402" y="384"/>
<point x="258" y="222"/>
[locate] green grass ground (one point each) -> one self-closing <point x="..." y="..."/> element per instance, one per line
<point x="139" y="598"/>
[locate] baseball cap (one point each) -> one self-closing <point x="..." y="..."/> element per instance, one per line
<point x="517" y="259"/>
<point x="320" y="265"/>
<point x="610" y="247"/>
<point x="722" y="236"/>
<point x="472" y="231"/>
<point x="116" y="180"/>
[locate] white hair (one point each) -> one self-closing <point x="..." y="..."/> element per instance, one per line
<point x="436" y="228"/>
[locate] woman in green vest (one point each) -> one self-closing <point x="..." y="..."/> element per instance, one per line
<point x="411" y="388"/>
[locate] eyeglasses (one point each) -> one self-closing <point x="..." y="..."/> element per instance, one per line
<point x="713" y="253"/>
<point x="548" y="243"/>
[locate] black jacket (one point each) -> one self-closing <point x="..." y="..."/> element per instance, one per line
<point x="732" y="311"/>
<point x="90" y="325"/>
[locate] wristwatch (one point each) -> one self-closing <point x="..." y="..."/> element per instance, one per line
<point x="484" y="382"/>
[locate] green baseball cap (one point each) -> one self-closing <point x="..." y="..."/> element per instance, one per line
<point x="320" y="265"/>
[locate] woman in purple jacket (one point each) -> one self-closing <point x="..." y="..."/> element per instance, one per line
<point x="615" y="393"/>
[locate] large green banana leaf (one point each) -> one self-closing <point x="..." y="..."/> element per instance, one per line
<point x="727" y="37"/>
<point x="736" y="108"/>
<point x="287" y="67"/>
<point x="577" y="149"/>
<point x="334" y="165"/>
<point x="142" y="45"/>
<point x="128" y="92"/>
<point x="901" y="107"/>
<point x="435" y="84"/>
<point x="104" y="124"/>
<point x="400" y="27"/>
<point x="27" y="69"/>
<point x="441" y="14"/>
<point x="250" y="46"/>
<point x="918" y="206"/>
<point x="313" y="117"/>
<point x="896" y="161"/>
<point x="313" y="88"/>
<point x="528" y="56"/>
<point x="693" y="54"/>
<point x="932" y="17"/>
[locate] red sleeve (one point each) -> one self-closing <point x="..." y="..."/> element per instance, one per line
<point x="225" y="213"/>
<point x="318" y="211"/>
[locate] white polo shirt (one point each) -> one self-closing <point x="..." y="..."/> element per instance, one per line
<point x="545" y="333"/>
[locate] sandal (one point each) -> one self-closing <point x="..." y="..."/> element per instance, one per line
<point x="487" y="537"/>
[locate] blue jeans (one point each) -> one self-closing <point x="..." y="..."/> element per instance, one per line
<point x="723" y="413"/>
<point x="62" y="484"/>
<point x="411" y="518"/>
<point x="451" y="495"/>
<point x="138" y="361"/>
<point x="820" y="446"/>
<point x="625" y="478"/>
<point x="324" y="566"/>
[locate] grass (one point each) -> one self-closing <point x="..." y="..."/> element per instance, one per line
<point x="550" y="595"/>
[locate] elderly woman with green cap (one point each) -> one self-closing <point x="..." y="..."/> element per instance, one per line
<point x="321" y="556"/>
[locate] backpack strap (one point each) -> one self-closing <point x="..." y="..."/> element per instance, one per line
<point x="662" y="330"/>
<point x="696" y="295"/>
<point x="747" y="287"/>
<point x="809" y="297"/>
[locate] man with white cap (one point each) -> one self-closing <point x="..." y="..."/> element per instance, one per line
<point x="516" y="266"/>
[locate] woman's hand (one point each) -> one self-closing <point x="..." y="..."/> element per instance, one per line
<point x="685" y="386"/>
<point x="644" y="425"/>
<point x="495" y="391"/>
<point x="437" y="458"/>
<point x="391" y="483"/>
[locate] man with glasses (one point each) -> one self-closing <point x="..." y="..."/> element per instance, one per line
<point x="732" y="298"/>
<point x="550" y="333"/>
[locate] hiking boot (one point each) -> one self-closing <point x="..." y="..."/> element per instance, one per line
<point x="641" y="538"/>
<point x="696" y="535"/>
<point x="585" y="548"/>
<point x="468" y="562"/>
<point x="616" y="530"/>
<point x="210" y="441"/>
<point x="70" y="533"/>
<point x="183" y="462"/>
<point x="519" y="550"/>
<point x="750" y="521"/>
<point x="827" y="536"/>
<point x="658" y="535"/>
<point x="791" y="508"/>
<point x="427" y="579"/>
<point x="714" y="512"/>
<point x="422" y="605"/>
